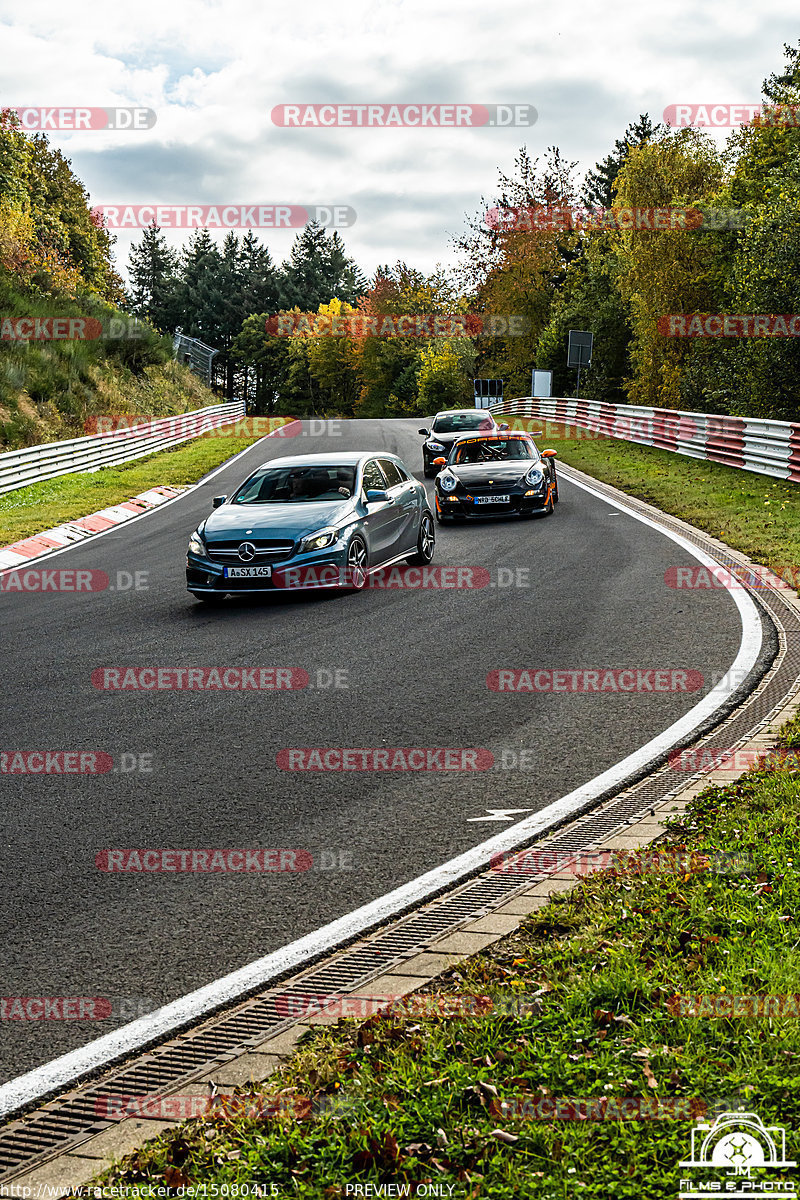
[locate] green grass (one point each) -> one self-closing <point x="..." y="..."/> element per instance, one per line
<point x="43" y="505"/>
<point x="752" y="513"/>
<point x="49" y="389"/>
<point x="421" y="1094"/>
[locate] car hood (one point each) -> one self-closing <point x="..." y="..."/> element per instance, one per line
<point x="473" y="474"/>
<point x="289" y="520"/>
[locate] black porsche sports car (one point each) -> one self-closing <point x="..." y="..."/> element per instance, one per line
<point x="495" y="474"/>
<point x="448" y="426"/>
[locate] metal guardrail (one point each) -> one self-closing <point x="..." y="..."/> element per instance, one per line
<point x="764" y="446"/>
<point x="18" y="468"/>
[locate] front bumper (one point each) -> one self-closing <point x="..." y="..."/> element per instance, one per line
<point x="302" y="572"/>
<point x="463" y="504"/>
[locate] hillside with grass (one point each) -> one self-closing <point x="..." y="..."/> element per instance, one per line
<point x="56" y="266"/>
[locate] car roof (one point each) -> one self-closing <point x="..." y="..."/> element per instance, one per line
<point x="458" y="412"/>
<point x="347" y="458"/>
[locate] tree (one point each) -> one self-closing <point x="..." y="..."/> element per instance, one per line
<point x="589" y="299"/>
<point x="444" y="375"/>
<point x="517" y="271"/>
<point x="758" y="377"/>
<point x="199" y="289"/>
<point x="317" y="270"/>
<point x="598" y="187"/>
<point x="154" y="283"/>
<point x="671" y="270"/>
<point x="268" y="358"/>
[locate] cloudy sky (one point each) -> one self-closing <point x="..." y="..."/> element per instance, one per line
<point x="214" y="71"/>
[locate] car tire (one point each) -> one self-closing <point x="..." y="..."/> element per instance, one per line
<point x="427" y="471"/>
<point x="555" y="486"/>
<point x="357" y="563"/>
<point x="426" y="543"/>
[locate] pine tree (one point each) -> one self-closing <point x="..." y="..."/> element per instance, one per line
<point x="598" y="188"/>
<point x="319" y="270"/>
<point x="200" y="299"/>
<point x="152" y="267"/>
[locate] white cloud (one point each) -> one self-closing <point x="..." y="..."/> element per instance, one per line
<point x="214" y="70"/>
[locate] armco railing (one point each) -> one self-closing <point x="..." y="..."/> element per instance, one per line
<point x="18" y="468"/>
<point x="766" y="447"/>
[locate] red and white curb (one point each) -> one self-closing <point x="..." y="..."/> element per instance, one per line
<point x="84" y="527"/>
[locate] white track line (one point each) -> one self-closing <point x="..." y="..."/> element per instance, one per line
<point x="44" y="1080"/>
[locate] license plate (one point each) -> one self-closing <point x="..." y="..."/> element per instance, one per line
<point x="492" y="499"/>
<point x="248" y="572"/>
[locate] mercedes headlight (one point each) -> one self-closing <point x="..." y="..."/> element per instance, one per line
<point x="436" y="446"/>
<point x="319" y="540"/>
<point x="447" y="482"/>
<point x="196" y="543"/>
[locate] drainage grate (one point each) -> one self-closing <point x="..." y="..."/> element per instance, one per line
<point x="72" y="1118"/>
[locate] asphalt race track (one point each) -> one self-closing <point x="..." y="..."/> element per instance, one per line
<point x="591" y="594"/>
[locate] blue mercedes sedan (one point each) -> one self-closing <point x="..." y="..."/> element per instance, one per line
<point x="311" y="521"/>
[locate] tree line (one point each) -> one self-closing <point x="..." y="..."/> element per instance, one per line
<point x="616" y="281"/>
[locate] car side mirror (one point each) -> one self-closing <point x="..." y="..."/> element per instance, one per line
<point x="424" y="431"/>
<point x="504" y="425"/>
<point x="440" y="462"/>
<point x="218" y="500"/>
<point x="376" y="495"/>
<point x="548" y="454"/>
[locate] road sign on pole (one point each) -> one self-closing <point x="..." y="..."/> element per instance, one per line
<point x="579" y="352"/>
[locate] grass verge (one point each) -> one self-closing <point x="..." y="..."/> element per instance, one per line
<point x="752" y="513"/>
<point x="43" y="505"/>
<point x="466" y="1102"/>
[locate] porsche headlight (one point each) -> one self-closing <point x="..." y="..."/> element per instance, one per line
<point x="196" y="543"/>
<point x="535" y="477"/>
<point x="447" y="482"/>
<point x="436" y="446"/>
<point x="319" y="540"/>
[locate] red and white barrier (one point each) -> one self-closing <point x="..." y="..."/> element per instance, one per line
<point x="763" y="446"/>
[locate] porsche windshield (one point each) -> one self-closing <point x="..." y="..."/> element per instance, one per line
<point x="288" y="485"/>
<point x="476" y="450"/>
